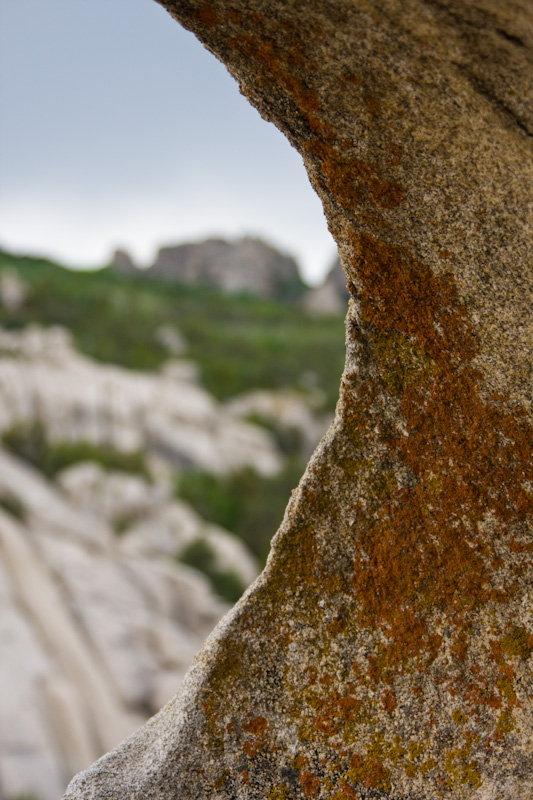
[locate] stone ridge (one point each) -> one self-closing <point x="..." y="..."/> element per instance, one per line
<point x="387" y="649"/>
<point x="245" y="265"/>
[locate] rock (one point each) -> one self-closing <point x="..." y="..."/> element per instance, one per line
<point x="172" y="339"/>
<point x="111" y="494"/>
<point x="246" y="265"/>
<point x="13" y="290"/>
<point x="331" y="297"/>
<point x="92" y="618"/>
<point x="122" y="262"/>
<point x="169" y="416"/>
<point x="387" y="649"/>
<point x="284" y="410"/>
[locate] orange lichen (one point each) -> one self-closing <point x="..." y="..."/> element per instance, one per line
<point x="388" y="698"/>
<point x="255" y="726"/>
<point x="208" y="15"/>
<point x="421" y="548"/>
<point x="310" y="783"/>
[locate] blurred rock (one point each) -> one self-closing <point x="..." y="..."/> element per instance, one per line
<point x="285" y="411"/>
<point x="246" y="265"/>
<point x="331" y="297"/>
<point x="92" y="619"/>
<point x="122" y="262"/>
<point x="164" y="414"/>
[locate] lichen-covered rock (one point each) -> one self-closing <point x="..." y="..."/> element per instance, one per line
<point x="387" y="650"/>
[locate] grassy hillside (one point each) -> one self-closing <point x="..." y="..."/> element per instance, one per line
<point x="239" y="342"/>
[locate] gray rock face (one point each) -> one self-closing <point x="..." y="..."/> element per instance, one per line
<point x="122" y="262"/>
<point x="97" y="627"/>
<point x="168" y="415"/>
<point x="332" y="296"/>
<point x="387" y="649"/>
<point x="247" y="265"/>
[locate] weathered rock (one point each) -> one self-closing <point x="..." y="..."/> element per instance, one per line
<point x="332" y="296"/>
<point x="386" y="651"/>
<point x="246" y="265"/>
<point x="123" y="262"/>
<point x="13" y="290"/>
<point x="76" y="398"/>
<point x="287" y="411"/>
<point x="97" y="628"/>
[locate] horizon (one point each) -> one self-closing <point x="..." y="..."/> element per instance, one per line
<point x="143" y="267"/>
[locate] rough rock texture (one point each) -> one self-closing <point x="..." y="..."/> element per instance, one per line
<point x="386" y="652"/>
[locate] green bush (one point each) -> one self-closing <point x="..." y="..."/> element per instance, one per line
<point x="245" y="503"/>
<point x="226" y="583"/>
<point x="13" y="505"/>
<point x="30" y="442"/>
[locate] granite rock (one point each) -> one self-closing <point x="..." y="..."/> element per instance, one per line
<point x="246" y="265"/>
<point x="166" y="414"/>
<point x="97" y="629"/>
<point x="387" y="649"/>
<point x="331" y="296"/>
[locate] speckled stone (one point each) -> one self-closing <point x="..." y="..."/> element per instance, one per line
<point x="386" y="651"/>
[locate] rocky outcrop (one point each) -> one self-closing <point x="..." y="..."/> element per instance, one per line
<point x="98" y="623"/>
<point x="167" y="415"/>
<point x="246" y="265"/>
<point x="386" y="651"/>
<point x="122" y="262"/>
<point x="332" y="296"/>
<point x="287" y="412"/>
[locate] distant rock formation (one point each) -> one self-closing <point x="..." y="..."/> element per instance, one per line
<point x="246" y="265"/>
<point x="332" y="296"/>
<point x="386" y="651"/>
<point x="167" y="415"/>
<point x="122" y="262"/>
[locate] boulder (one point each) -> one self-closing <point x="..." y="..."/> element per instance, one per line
<point x="246" y="265"/>
<point x="331" y="297"/>
<point x="168" y="415"/>
<point x="387" y="650"/>
<point x="99" y="626"/>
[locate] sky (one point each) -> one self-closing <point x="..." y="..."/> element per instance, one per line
<point x="119" y="130"/>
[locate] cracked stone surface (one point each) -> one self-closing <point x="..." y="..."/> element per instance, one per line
<point x="386" y="651"/>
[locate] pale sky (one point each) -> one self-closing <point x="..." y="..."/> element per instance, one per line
<point x="118" y="129"/>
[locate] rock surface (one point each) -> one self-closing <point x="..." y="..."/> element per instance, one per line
<point x="97" y="627"/>
<point x="386" y="651"/>
<point x="246" y="265"/>
<point x="332" y="296"/>
<point x="167" y="414"/>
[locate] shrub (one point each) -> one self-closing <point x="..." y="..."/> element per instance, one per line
<point x="13" y="505"/>
<point x="30" y="441"/>
<point x="245" y="503"/>
<point x="239" y="342"/>
<point x="226" y="582"/>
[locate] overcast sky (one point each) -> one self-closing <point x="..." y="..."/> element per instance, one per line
<point x="118" y="129"/>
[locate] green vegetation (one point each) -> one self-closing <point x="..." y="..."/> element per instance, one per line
<point x="13" y="505"/>
<point x="240" y="342"/>
<point x="31" y="442"/>
<point x="288" y="439"/>
<point x="246" y="503"/>
<point x="226" y="583"/>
